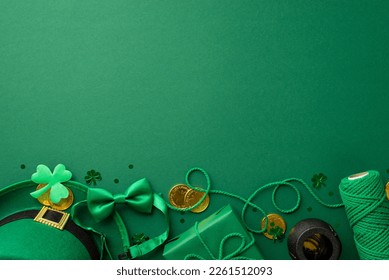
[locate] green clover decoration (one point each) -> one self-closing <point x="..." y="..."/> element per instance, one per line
<point x="53" y="181"/>
<point x="92" y="176"/>
<point x="318" y="180"/>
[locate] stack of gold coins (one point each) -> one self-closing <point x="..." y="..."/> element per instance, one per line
<point x="181" y="196"/>
<point x="44" y="199"/>
<point x="63" y="204"/>
<point x="312" y="243"/>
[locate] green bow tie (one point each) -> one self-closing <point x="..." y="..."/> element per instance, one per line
<point x="138" y="196"/>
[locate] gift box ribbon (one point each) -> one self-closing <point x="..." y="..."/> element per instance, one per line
<point x="235" y="255"/>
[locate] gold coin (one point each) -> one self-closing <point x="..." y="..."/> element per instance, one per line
<point x="276" y="226"/>
<point x="44" y="199"/>
<point x="177" y="194"/>
<point x="64" y="203"/>
<point x="387" y="190"/>
<point x="312" y="243"/>
<point x="192" y="197"/>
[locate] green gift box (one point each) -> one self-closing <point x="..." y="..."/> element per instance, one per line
<point x="220" y="236"/>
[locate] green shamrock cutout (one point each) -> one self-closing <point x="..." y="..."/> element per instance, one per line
<point x="92" y="177"/>
<point x="276" y="232"/>
<point x="53" y="182"/>
<point x="318" y="180"/>
<point x="139" y="238"/>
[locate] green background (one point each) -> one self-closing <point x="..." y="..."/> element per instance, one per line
<point x="251" y="91"/>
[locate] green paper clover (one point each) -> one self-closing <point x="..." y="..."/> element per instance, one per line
<point x="318" y="180"/>
<point x="92" y="177"/>
<point x="53" y="182"/>
<point x="139" y="238"/>
<point x="276" y="232"/>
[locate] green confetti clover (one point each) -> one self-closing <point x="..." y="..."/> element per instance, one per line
<point x="53" y="181"/>
<point x="139" y="238"/>
<point x="318" y="180"/>
<point x="92" y="176"/>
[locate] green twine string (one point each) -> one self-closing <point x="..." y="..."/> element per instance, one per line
<point x="367" y="210"/>
<point x="248" y="202"/>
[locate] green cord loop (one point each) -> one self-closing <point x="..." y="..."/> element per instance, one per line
<point x="248" y="202"/>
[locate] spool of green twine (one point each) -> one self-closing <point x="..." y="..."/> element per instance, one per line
<point x="367" y="210"/>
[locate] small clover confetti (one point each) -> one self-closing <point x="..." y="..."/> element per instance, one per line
<point x="139" y="238"/>
<point x="318" y="180"/>
<point x="53" y="182"/>
<point x="92" y="176"/>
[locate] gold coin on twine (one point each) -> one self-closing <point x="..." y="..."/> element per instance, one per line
<point x="192" y="197"/>
<point x="276" y="226"/>
<point x="177" y="195"/>
<point x="44" y="199"/>
<point x="64" y="203"/>
<point x="387" y="190"/>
